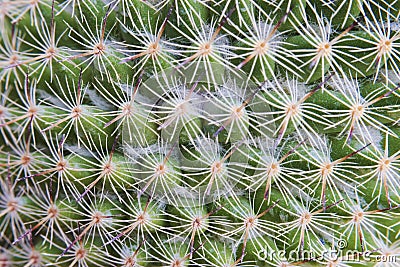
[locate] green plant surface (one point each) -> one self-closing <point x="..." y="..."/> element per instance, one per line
<point x="210" y="133"/>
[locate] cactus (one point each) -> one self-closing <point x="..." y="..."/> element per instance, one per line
<point x="199" y="133"/>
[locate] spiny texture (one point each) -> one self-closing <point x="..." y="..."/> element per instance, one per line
<point x="199" y="133"/>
